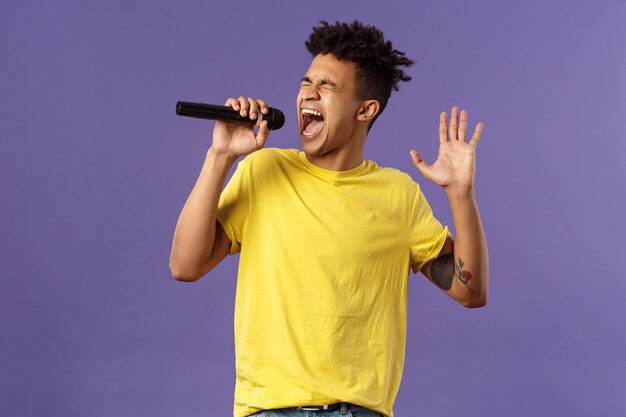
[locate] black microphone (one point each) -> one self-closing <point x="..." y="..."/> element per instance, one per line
<point x="275" y="118"/>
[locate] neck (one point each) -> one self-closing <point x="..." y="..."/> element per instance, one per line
<point x="342" y="158"/>
<point x="342" y="161"/>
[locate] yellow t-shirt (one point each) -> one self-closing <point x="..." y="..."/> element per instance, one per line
<point x="320" y="307"/>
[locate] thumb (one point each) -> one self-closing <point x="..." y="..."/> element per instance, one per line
<point x="420" y="163"/>
<point x="261" y="137"/>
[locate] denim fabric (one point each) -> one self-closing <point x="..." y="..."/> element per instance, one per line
<point x="351" y="411"/>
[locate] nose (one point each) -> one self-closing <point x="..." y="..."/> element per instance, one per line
<point x="309" y="92"/>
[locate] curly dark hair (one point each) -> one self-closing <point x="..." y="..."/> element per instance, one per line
<point x="378" y="63"/>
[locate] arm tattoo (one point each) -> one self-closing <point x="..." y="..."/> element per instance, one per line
<point x="443" y="270"/>
<point x="463" y="276"/>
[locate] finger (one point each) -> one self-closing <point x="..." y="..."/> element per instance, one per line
<point x="443" y="129"/>
<point x="244" y="106"/>
<point x="463" y="126"/>
<point x="476" y="136"/>
<point x="232" y="102"/>
<point x="263" y="107"/>
<point x="264" y="132"/>
<point x="453" y="123"/>
<point x="419" y="163"/>
<point x="254" y="108"/>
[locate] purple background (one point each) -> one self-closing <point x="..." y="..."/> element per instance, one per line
<point x="95" y="167"/>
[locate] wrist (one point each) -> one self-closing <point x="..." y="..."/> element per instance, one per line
<point x="221" y="155"/>
<point x="459" y="192"/>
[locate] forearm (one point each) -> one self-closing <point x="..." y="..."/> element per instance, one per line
<point x="471" y="259"/>
<point x="195" y="230"/>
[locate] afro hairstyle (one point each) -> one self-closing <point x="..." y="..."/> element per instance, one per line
<point x="378" y="63"/>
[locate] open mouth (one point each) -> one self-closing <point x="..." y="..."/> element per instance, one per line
<point x="312" y="122"/>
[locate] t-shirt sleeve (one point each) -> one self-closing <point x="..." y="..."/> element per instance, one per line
<point x="427" y="234"/>
<point x="233" y="209"/>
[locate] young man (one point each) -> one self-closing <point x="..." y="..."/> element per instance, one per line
<point x="327" y="238"/>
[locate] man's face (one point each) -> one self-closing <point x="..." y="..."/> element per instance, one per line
<point x="327" y="107"/>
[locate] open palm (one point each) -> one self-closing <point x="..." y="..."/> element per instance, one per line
<point x="456" y="163"/>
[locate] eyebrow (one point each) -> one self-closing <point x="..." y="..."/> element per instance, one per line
<point x="325" y="81"/>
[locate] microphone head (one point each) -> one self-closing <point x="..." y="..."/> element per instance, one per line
<point x="275" y="119"/>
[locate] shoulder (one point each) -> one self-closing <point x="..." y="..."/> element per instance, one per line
<point x="395" y="178"/>
<point x="268" y="164"/>
<point x="270" y="156"/>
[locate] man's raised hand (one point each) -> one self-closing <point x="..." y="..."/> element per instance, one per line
<point x="238" y="139"/>
<point x="455" y="164"/>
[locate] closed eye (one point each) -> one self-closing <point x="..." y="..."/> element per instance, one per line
<point x="325" y="82"/>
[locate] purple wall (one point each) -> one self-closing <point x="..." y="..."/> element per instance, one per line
<point x="95" y="167"/>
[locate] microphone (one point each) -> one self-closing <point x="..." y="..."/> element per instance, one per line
<point x="275" y="118"/>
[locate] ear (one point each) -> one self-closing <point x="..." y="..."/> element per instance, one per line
<point x="368" y="110"/>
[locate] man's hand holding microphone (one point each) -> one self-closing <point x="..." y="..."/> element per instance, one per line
<point x="199" y="244"/>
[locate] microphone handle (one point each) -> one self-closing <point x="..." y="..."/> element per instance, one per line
<point x="275" y="118"/>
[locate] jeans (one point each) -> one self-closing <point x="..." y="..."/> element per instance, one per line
<point x="351" y="410"/>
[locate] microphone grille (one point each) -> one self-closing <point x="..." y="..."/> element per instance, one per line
<point x="276" y="119"/>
